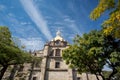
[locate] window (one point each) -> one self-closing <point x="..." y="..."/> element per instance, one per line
<point x="78" y="78"/>
<point x="51" y="53"/>
<point x="65" y="43"/>
<point x="57" y="42"/>
<point x="21" y="68"/>
<point x="37" y="64"/>
<point x="57" y="52"/>
<point x="35" y="54"/>
<point x="57" y="64"/>
<point x="34" y="78"/>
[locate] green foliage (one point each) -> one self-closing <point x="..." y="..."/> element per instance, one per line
<point x="5" y="36"/>
<point x="102" y="7"/>
<point x="111" y="26"/>
<point x="10" y="54"/>
<point x="85" y="52"/>
<point x="92" y="51"/>
<point x="112" y="54"/>
<point x="117" y="76"/>
<point x="106" y="73"/>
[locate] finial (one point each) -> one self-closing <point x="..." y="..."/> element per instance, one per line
<point x="58" y="33"/>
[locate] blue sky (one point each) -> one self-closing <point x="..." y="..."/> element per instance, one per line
<point x="35" y="22"/>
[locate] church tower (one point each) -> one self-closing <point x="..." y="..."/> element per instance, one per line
<point x="53" y="67"/>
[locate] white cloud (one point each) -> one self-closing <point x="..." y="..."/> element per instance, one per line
<point x="67" y="18"/>
<point x="71" y="24"/>
<point x="36" y="16"/>
<point x="20" y="28"/>
<point x="32" y="43"/>
<point x="67" y="21"/>
<point x="25" y="23"/>
<point x="11" y="15"/>
<point x="2" y="7"/>
<point x="58" y="23"/>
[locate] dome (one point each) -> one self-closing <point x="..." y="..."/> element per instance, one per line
<point x="58" y="36"/>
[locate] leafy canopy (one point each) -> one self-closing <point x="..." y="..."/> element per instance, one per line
<point x="92" y="51"/>
<point x="9" y="53"/>
<point x="84" y="54"/>
<point x="111" y="26"/>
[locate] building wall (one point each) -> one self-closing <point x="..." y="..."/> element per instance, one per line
<point x="51" y="63"/>
<point x="57" y="75"/>
<point x="53" y="73"/>
<point x="36" y="74"/>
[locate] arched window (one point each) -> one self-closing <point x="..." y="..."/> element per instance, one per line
<point x="57" y="42"/>
<point x="57" y="52"/>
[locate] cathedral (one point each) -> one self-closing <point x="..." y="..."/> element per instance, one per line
<point x="52" y="66"/>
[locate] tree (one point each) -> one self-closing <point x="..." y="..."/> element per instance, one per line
<point x="91" y="52"/>
<point x="112" y="54"/>
<point x="111" y="26"/>
<point x="9" y="53"/>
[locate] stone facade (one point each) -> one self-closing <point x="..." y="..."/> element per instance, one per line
<point x="52" y="66"/>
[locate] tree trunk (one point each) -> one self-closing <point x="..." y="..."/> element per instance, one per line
<point x="103" y="78"/>
<point x="97" y="77"/>
<point x="3" y="71"/>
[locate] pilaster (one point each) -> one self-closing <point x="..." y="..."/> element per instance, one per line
<point x="70" y="75"/>
<point x="44" y="62"/>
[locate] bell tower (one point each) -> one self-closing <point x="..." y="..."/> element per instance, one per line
<point x="53" y="66"/>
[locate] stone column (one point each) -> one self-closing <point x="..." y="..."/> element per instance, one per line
<point x="70" y="75"/>
<point x="44" y="63"/>
<point x="85" y="76"/>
